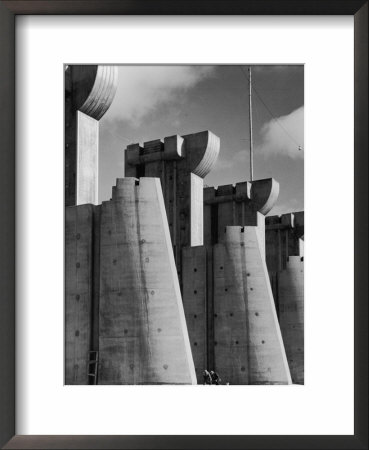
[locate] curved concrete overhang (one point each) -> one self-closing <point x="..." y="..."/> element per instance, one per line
<point x="94" y="88"/>
<point x="201" y="152"/>
<point x="264" y="194"/>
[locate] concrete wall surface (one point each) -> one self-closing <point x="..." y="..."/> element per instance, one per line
<point x="194" y="303"/>
<point x="78" y="291"/>
<point x="291" y="315"/>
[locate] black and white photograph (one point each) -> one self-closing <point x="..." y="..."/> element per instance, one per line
<point x="184" y="224"/>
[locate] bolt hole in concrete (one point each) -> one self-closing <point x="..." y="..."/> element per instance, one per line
<point x="78" y="236"/>
<point x="231" y="314"/>
<point x="195" y="316"/>
<point x="77" y="297"/>
<point x="195" y="270"/>
<point x="263" y="342"/>
<point x="165" y="366"/>
<point x="248" y="274"/>
<point x="221" y="267"/>
<point x="78" y="265"/>
<point x="195" y="292"/>
<point x="256" y="314"/>
<point x="159" y="330"/>
<point x="147" y="259"/>
<point x="243" y="369"/>
<point x="125" y="331"/>
<point x="236" y="342"/>
<point x="226" y="289"/>
<point x="77" y="333"/>
<point x="195" y="343"/>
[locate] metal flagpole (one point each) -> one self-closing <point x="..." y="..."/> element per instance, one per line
<point x="250" y="120"/>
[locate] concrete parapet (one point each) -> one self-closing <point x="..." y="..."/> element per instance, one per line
<point x="197" y="152"/>
<point x="143" y="336"/>
<point x="248" y="344"/>
<point x="243" y="204"/>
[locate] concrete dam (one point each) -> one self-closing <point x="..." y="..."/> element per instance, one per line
<point x="168" y="278"/>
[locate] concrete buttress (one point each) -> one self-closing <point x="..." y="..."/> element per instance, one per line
<point x="143" y="336"/>
<point x="248" y="345"/>
<point x="285" y="262"/>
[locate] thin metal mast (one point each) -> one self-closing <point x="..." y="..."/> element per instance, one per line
<point x="250" y="120"/>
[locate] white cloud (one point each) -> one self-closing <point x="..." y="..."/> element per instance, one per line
<point x="143" y="88"/>
<point x="239" y="157"/>
<point x="284" y="136"/>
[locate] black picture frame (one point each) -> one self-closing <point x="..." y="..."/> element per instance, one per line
<point x="8" y="11"/>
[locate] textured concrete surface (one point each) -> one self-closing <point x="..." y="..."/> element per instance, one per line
<point x="194" y="303"/>
<point x="248" y="344"/>
<point x="78" y="291"/>
<point x="291" y="315"/>
<point x="143" y="334"/>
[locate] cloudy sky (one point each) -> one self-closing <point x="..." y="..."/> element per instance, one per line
<point x="157" y="101"/>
